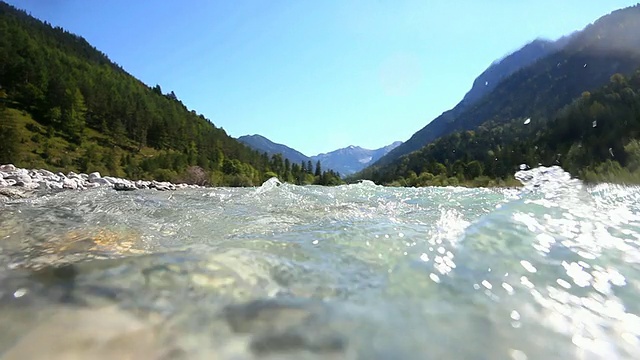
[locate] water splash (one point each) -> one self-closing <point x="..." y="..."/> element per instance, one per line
<point x="269" y="185"/>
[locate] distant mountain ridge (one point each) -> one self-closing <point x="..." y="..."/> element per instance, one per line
<point x="549" y="78"/>
<point x="262" y="144"/>
<point x="352" y="159"/>
<point x="345" y="161"/>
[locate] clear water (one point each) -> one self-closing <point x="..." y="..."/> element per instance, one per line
<point x="551" y="270"/>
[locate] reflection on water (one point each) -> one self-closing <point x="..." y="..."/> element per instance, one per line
<point x="551" y="270"/>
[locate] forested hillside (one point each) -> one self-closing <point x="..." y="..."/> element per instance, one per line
<point x="65" y="106"/>
<point x="596" y="137"/>
<point x="586" y="60"/>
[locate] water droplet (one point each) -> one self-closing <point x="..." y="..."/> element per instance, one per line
<point x="517" y="354"/>
<point x="563" y="283"/>
<point x="524" y="281"/>
<point x="434" y="277"/>
<point x="424" y="257"/>
<point x="527" y="266"/>
<point x="508" y="288"/>
<point x="487" y="284"/>
<point x="595" y="123"/>
<point x="515" y="315"/>
<point x="20" y="293"/>
<point x="526" y="122"/>
<point x="400" y="234"/>
<point x="315" y="242"/>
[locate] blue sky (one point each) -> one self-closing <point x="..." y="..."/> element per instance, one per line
<point x="316" y="75"/>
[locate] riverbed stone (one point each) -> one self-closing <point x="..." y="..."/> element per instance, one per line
<point x="46" y="173"/>
<point x="69" y="184"/>
<point x="41" y="178"/>
<point x="140" y="184"/>
<point x="111" y="179"/>
<point x="124" y="186"/>
<point x="56" y="185"/>
<point x="19" y="177"/>
<point x="162" y="186"/>
<point x="101" y="181"/>
<point x="27" y="184"/>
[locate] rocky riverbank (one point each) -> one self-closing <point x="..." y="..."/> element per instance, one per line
<point x="16" y="182"/>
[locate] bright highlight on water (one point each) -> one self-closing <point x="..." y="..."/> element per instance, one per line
<point x="550" y="270"/>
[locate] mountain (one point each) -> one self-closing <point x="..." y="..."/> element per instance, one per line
<point x="500" y="69"/>
<point x="595" y="138"/>
<point x="345" y="161"/>
<point x="65" y="106"/>
<point x="351" y="159"/>
<point x="585" y="60"/>
<point x="482" y="85"/>
<point x="262" y="144"/>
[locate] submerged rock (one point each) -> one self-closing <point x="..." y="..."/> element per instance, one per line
<point x="285" y="325"/>
<point x="107" y="333"/>
<point x="296" y="341"/>
<point x="11" y="193"/>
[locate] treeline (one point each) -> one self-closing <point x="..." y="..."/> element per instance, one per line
<point x="66" y="106"/>
<point x="594" y="138"/>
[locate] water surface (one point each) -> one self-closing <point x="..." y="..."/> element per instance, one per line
<point x="550" y="270"/>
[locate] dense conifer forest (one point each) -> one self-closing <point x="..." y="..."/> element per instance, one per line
<point x="596" y="138"/>
<point x="65" y="106"/>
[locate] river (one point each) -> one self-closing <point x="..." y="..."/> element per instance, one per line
<point x="549" y="270"/>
